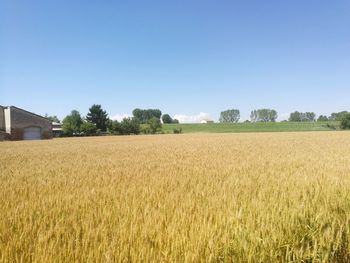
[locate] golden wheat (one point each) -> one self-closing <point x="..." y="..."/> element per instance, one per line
<point x="273" y="197"/>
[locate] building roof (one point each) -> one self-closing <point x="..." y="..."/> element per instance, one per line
<point x="27" y="112"/>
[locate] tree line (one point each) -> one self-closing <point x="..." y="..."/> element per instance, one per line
<point x="149" y="121"/>
<point x="271" y="115"/>
<point x="97" y="122"/>
<point x="259" y="115"/>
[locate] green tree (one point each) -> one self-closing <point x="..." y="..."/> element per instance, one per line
<point x="52" y="118"/>
<point x="295" y="116"/>
<point x="145" y="115"/>
<point x="337" y="116"/>
<point x="98" y="116"/>
<point x="155" y="113"/>
<point x="310" y="116"/>
<point x="254" y="116"/>
<point x="322" y="118"/>
<point x="302" y="116"/>
<point x="230" y="116"/>
<point x="138" y="114"/>
<point x="345" y="121"/>
<point x="154" y="125"/>
<point x="88" y="128"/>
<point x="167" y="119"/>
<point x="71" y="123"/>
<point x="130" y="126"/>
<point x="126" y="127"/>
<point x="263" y="115"/>
<point x="114" y="127"/>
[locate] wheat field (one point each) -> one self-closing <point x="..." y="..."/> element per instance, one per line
<point x="268" y="197"/>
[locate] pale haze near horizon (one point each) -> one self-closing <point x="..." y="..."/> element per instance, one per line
<point x="191" y="59"/>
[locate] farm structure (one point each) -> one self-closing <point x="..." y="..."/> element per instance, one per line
<point x="56" y="129"/>
<point x="207" y="121"/>
<point x="19" y="124"/>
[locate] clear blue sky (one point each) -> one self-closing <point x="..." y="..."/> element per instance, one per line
<point x="184" y="57"/>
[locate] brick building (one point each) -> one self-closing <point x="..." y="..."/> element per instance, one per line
<point x="19" y="124"/>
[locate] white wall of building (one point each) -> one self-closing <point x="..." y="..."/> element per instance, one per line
<point x="7" y="113"/>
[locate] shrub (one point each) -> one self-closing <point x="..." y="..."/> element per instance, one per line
<point x="88" y="128"/>
<point x="331" y="126"/>
<point x="145" y="129"/>
<point x="126" y="127"/>
<point x="154" y="125"/>
<point x="177" y="131"/>
<point x="345" y="121"/>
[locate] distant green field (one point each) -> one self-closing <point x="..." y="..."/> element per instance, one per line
<point x="252" y="127"/>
